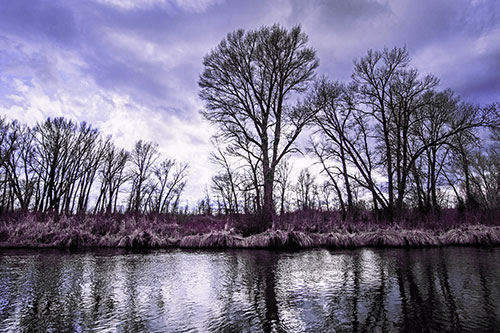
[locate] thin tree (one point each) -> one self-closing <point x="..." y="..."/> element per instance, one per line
<point x="143" y="158"/>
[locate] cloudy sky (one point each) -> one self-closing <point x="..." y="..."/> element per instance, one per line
<point x="130" y="67"/>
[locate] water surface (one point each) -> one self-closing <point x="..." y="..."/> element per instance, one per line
<point x="440" y="289"/>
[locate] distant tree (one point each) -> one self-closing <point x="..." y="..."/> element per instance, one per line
<point x="8" y="147"/>
<point x="327" y="195"/>
<point x="204" y="206"/>
<point x="249" y="84"/>
<point x="142" y="158"/>
<point x="89" y="152"/>
<point x="226" y="182"/>
<point x="17" y="163"/>
<point x="306" y="190"/>
<point x="169" y="183"/>
<point x="283" y="173"/>
<point x="112" y="176"/>
<point x="62" y="150"/>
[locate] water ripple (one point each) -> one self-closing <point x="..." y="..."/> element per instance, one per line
<point x="449" y="289"/>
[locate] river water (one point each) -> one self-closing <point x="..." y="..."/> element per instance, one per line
<point x="440" y="289"/>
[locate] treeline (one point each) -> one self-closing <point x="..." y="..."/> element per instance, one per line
<point x="392" y="134"/>
<point x="389" y="140"/>
<point x="59" y="166"/>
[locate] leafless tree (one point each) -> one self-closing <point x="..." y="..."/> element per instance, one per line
<point x="17" y="163"/>
<point x="61" y="149"/>
<point x="283" y="172"/>
<point x="327" y="196"/>
<point x="170" y="179"/>
<point x="227" y="181"/>
<point x="112" y="176"/>
<point x="389" y="91"/>
<point x="386" y="123"/>
<point x="306" y="190"/>
<point x="142" y="159"/>
<point x="249" y="84"/>
<point x="88" y="152"/>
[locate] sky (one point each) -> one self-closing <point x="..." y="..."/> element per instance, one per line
<point x="131" y="67"/>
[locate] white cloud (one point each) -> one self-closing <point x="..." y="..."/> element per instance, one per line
<point x="120" y="116"/>
<point x="194" y="6"/>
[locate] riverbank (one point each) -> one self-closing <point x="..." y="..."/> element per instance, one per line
<point x="70" y="232"/>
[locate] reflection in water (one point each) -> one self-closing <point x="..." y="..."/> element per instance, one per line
<point x="448" y="289"/>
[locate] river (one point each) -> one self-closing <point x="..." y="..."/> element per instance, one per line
<point x="444" y="289"/>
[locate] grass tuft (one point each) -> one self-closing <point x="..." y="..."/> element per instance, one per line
<point x="290" y="231"/>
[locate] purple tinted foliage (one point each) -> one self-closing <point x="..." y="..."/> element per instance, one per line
<point x="297" y="229"/>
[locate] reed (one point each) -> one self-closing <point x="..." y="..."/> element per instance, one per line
<point x="418" y="238"/>
<point x="73" y="238"/>
<point x="219" y="239"/>
<point x="131" y="231"/>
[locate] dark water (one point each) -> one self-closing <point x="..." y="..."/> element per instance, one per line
<point x="449" y="289"/>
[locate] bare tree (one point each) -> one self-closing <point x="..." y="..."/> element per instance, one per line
<point x="464" y="146"/>
<point x="335" y="121"/>
<point x="8" y="147"/>
<point x="385" y="124"/>
<point x="53" y="167"/>
<point x="112" y="176"/>
<point x="346" y="149"/>
<point x="248" y="84"/>
<point x="485" y="179"/>
<point x="283" y="172"/>
<point x="390" y="93"/>
<point x="18" y="161"/>
<point x="60" y="152"/>
<point x="436" y="114"/>
<point x="170" y="180"/>
<point x="226" y="181"/>
<point x="143" y="158"/>
<point x="89" y="152"/>
<point x="327" y="196"/>
<point x="305" y="190"/>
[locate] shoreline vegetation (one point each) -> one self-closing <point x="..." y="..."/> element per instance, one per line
<point x="209" y="232"/>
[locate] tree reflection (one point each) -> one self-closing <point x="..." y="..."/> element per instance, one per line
<point x="448" y="296"/>
<point x="377" y="315"/>
<point x="267" y="277"/>
<point x="270" y="291"/>
<point x="490" y="319"/>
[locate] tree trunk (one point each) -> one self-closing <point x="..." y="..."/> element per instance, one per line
<point x="267" y="212"/>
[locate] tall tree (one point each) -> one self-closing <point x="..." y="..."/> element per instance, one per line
<point x="112" y="177"/>
<point x="249" y="84"/>
<point x="390" y="92"/>
<point x="225" y="182"/>
<point x="18" y="163"/>
<point x="388" y="126"/>
<point x="143" y="158"/>
<point x="170" y="180"/>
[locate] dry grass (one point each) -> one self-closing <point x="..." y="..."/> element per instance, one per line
<point x="475" y="235"/>
<point x="471" y="235"/>
<point x="218" y="239"/>
<point x="146" y="232"/>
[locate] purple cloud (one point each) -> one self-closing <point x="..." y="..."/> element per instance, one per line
<point x="116" y="61"/>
